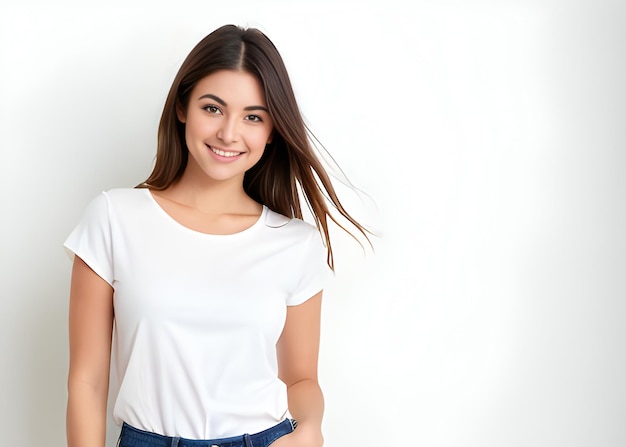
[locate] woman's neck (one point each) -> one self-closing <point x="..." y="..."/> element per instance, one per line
<point x="213" y="197"/>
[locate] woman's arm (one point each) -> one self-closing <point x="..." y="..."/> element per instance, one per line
<point x="298" y="351"/>
<point x="90" y="331"/>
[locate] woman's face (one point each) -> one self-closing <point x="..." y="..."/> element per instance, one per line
<point x="227" y="125"/>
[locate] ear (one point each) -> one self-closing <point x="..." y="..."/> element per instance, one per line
<point x="270" y="138"/>
<point x="180" y="113"/>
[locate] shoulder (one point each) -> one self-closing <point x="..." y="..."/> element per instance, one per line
<point x="115" y="202"/>
<point x="289" y="225"/>
<point x="124" y="198"/>
<point x="126" y="194"/>
<point x="294" y="235"/>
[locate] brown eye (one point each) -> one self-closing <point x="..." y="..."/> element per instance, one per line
<point x="212" y="109"/>
<point x="254" y="118"/>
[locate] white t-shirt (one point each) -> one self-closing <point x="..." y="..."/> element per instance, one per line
<point x="197" y="316"/>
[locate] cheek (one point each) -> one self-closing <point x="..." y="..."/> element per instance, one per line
<point x="199" y="127"/>
<point x="258" y="140"/>
<point x="198" y="131"/>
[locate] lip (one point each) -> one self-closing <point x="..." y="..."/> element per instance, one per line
<point x="221" y="157"/>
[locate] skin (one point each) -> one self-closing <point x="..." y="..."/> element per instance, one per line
<point x="226" y="112"/>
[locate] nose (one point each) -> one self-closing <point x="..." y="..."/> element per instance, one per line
<point x="229" y="130"/>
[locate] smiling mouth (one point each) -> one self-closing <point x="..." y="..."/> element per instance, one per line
<point x="222" y="153"/>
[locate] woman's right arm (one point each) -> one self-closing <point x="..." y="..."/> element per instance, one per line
<point x="90" y="331"/>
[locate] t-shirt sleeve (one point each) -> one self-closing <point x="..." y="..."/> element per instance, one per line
<point x="315" y="273"/>
<point x="91" y="238"/>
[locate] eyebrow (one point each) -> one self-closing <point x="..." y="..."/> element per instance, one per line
<point x="223" y="103"/>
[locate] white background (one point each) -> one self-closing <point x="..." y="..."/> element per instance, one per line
<point x="490" y="137"/>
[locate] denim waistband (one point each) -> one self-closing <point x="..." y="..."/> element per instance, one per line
<point x="133" y="437"/>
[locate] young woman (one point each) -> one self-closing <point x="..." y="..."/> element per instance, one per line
<point x="199" y="292"/>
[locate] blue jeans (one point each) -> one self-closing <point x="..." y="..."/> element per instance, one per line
<point x="133" y="437"/>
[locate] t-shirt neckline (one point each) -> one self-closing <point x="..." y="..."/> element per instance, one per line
<point x="169" y="218"/>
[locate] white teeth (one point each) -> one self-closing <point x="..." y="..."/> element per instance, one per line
<point x="224" y="154"/>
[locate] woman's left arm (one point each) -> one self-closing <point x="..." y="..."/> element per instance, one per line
<point x="298" y="352"/>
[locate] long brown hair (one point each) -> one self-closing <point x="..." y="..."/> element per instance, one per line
<point x="289" y="163"/>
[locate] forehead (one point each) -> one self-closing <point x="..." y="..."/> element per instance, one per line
<point x="234" y="87"/>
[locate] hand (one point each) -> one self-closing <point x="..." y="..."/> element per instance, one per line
<point x="302" y="436"/>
